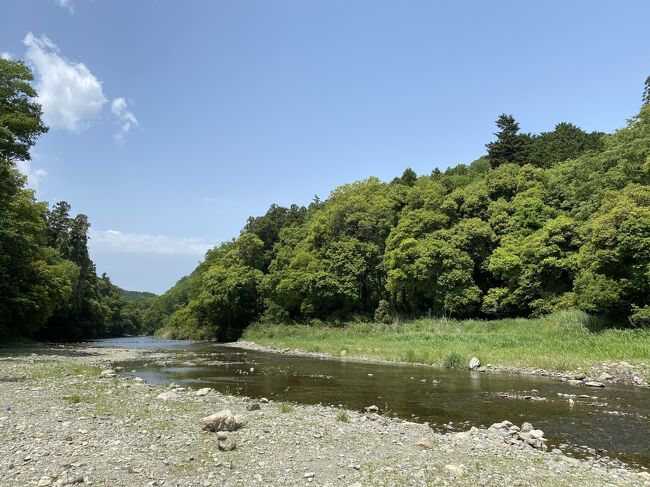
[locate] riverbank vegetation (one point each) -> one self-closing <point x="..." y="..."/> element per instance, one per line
<point x="49" y="288"/>
<point x="539" y="224"/>
<point x="564" y="341"/>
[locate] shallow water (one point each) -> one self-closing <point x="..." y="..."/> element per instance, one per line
<point x="621" y="428"/>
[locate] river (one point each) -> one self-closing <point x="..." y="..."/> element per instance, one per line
<point x="614" y="421"/>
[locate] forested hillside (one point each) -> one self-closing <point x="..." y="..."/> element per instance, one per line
<point x="49" y="288"/>
<point x="541" y="222"/>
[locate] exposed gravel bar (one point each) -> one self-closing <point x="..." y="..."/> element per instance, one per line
<point x="61" y="424"/>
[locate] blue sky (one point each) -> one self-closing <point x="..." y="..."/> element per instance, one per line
<point x="172" y="122"/>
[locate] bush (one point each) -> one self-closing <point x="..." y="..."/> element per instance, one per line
<point x="640" y="316"/>
<point x="383" y="313"/>
<point x="454" y="361"/>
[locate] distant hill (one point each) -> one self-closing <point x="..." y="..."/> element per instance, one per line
<point x="136" y="296"/>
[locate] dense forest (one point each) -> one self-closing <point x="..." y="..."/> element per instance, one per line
<point x="542" y="222"/>
<point x="49" y="288"/>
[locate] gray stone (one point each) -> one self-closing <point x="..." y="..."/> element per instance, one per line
<point x="107" y="374"/>
<point x="168" y="396"/>
<point x="474" y="363"/>
<point x="223" y="420"/>
<point x="229" y="444"/>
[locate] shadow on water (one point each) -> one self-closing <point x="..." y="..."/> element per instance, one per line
<point x="613" y="420"/>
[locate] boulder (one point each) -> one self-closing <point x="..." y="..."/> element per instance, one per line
<point x="475" y="363"/>
<point x="168" y="396"/>
<point x="223" y="420"/>
<point x="108" y="374"/>
<point x="502" y="427"/>
<point x="204" y="391"/>
<point x="372" y="409"/>
<point x="253" y="407"/>
<point x="593" y="383"/>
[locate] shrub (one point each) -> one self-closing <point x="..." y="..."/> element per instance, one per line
<point x="383" y="313"/>
<point x="454" y="361"/>
<point x="640" y="316"/>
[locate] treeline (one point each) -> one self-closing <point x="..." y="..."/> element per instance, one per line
<point x="49" y="288"/>
<point x="542" y="222"/>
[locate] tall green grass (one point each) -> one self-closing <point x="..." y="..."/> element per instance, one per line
<point x="565" y="340"/>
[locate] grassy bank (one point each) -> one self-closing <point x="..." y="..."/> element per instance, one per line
<point x="562" y="341"/>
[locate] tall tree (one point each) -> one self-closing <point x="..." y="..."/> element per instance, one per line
<point x="646" y="92"/>
<point x="510" y="146"/>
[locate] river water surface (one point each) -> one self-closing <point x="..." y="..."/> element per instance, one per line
<point x="614" y="420"/>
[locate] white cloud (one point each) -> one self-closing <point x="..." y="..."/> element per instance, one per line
<point x="5" y="55"/>
<point x="71" y="95"/>
<point x="116" y="241"/>
<point x="125" y="117"/>
<point x="34" y="175"/>
<point x="66" y="4"/>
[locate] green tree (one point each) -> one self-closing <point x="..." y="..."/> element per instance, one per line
<point x="20" y="116"/>
<point x="615" y="259"/>
<point x="510" y="146"/>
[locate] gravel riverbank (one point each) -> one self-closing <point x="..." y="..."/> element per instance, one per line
<point x="63" y="424"/>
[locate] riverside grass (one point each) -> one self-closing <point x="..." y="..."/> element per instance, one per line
<point x="562" y="341"/>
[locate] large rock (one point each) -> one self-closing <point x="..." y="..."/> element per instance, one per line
<point x="168" y="396"/>
<point x="593" y="383"/>
<point x="475" y="363"/>
<point x="223" y="420"/>
<point x="204" y="391"/>
<point x="502" y="427"/>
<point x="107" y="374"/>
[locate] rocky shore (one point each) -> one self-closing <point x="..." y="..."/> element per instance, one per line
<point x="608" y="372"/>
<point x="68" y="417"/>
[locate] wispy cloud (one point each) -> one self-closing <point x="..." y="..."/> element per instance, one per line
<point x="116" y="241"/>
<point x="67" y="4"/>
<point x="71" y="95"/>
<point x="34" y="175"/>
<point x="125" y="117"/>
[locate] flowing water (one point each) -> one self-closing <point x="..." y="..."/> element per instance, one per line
<point x="615" y="421"/>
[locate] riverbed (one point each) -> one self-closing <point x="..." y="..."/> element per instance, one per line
<point x="598" y="422"/>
